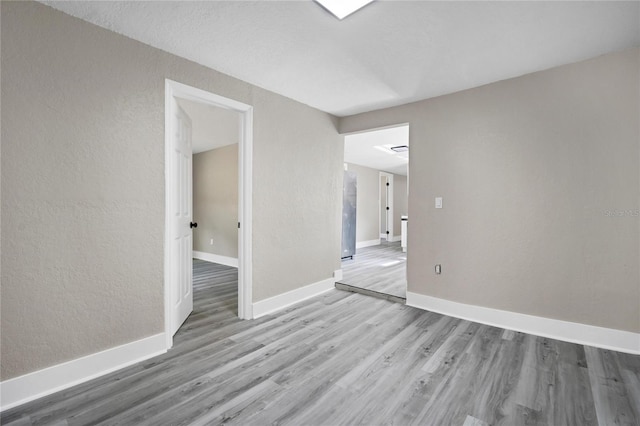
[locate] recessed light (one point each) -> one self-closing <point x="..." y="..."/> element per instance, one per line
<point x="343" y="8"/>
<point x="400" y="148"/>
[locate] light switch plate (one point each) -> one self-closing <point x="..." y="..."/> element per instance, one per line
<point x="438" y="202"/>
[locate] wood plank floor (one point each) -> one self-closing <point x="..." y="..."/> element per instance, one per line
<point x="381" y="268"/>
<point x="344" y="359"/>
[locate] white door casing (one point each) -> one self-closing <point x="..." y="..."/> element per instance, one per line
<point x="181" y="240"/>
<point x="174" y="90"/>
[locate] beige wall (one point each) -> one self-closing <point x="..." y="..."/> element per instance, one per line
<point x="83" y="187"/>
<point x="215" y="201"/>
<point x="367" y="216"/>
<point x="530" y="171"/>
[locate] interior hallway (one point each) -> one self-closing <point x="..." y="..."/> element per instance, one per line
<point x="344" y="358"/>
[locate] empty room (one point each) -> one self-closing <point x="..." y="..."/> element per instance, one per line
<point x="184" y="217"/>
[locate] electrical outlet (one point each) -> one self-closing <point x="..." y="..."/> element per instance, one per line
<point x="211" y="241"/>
<point x="438" y="269"/>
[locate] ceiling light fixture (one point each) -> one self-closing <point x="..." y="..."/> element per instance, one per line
<point x="400" y="148"/>
<point x="343" y="8"/>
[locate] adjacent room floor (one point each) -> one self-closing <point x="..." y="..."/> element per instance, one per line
<point x="381" y="269"/>
<point x="342" y="359"/>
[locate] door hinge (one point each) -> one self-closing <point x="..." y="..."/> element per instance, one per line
<point x="238" y="225"/>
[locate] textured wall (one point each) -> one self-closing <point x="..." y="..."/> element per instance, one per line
<point x="83" y="187"/>
<point x="215" y="201"/>
<point x="297" y="199"/>
<point x="540" y="183"/>
<point x="367" y="203"/>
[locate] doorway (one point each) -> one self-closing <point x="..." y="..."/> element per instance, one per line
<point x="379" y="160"/>
<point x="178" y="209"/>
<point x="215" y="134"/>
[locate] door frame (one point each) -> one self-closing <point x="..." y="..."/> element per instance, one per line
<point x="173" y="89"/>
<point x="389" y="177"/>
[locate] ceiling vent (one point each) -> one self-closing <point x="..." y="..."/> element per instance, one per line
<point x="400" y="148"/>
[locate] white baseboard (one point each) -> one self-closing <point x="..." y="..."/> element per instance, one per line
<point x="395" y="239"/>
<point x="22" y="389"/>
<point x="583" y="334"/>
<point x="337" y="275"/>
<point x="363" y="244"/>
<point x="216" y="258"/>
<point x="275" y="303"/>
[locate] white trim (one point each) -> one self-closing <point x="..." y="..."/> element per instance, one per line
<point x="245" y="213"/>
<point x="245" y="206"/>
<point x="583" y="334"/>
<point x="363" y="244"/>
<point x="22" y="389"/>
<point x="168" y="119"/>
<point x="275" y="303"/>
<point x="337" y="275"/>
<point x="395" y="239"/>
<point x="216" y="258"/>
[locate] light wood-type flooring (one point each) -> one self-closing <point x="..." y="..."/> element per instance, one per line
<point x="381" y="269"/>
<point x="347" y="359"/>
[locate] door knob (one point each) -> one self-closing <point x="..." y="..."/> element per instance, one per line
<point x="193" y="225"/>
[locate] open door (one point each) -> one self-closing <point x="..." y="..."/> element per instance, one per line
<point x="386" y="206"/>
<point x="181" y="222"/>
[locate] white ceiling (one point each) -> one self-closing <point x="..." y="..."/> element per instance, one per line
<point x="370" y="149"/>
<point x="211" y="127"/>
<point x="388" y="53"/>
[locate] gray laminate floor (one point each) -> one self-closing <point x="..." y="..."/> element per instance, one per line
<point x="381" y="268"/>
<point x="344" y="359"/>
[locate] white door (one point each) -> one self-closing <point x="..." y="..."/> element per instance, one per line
<point x="384" y="207"/>
<point x="181" y="220"/>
